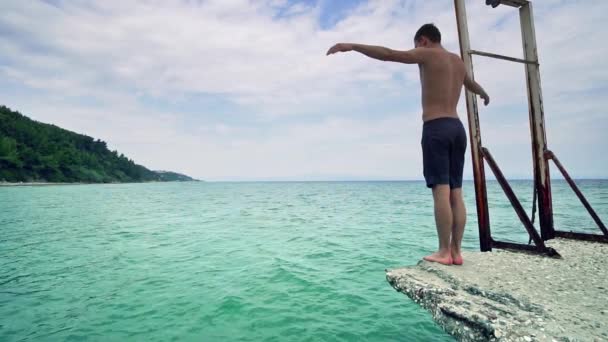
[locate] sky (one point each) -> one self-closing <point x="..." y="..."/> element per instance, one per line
<point x="239" y="90"/>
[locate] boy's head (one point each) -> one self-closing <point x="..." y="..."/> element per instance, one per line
<point x="427" y="35"/>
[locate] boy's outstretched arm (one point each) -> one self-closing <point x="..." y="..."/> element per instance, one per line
<point x="414" y="56"/>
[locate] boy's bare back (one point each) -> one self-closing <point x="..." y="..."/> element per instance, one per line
<point x="442" y="75"/>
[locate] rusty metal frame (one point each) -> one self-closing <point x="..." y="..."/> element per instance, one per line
<point x="540" y="153"/>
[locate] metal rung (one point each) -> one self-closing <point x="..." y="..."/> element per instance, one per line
<point x="514" y="3"/>
<point x="506" y="58"/>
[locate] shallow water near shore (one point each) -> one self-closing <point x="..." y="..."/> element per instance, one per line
<point x="233" y="261"/>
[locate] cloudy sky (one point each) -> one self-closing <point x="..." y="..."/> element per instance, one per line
<point x="242" y="89"/>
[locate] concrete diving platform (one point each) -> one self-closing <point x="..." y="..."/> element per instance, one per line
<point x="515" y="296"/>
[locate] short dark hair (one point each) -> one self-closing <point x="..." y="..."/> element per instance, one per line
<point x="430" y="31"/>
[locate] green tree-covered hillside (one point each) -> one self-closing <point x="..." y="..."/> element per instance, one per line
<point x="31" y="151"/>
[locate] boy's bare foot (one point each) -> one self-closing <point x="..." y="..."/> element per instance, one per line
<point x="457" y="258"/>
<point x="442" y="258"/>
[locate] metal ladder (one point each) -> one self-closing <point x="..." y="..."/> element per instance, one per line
<point x="540" y="153"/>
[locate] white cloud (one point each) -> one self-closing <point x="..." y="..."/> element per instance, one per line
<point x="311" y="114"/>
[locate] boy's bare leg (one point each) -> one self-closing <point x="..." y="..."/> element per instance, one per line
<point x="459" y="215"/>
<point x="443" y="221"/>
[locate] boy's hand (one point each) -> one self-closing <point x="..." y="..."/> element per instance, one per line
<point x="486" y="99"/>
<point x="340" y="47"/>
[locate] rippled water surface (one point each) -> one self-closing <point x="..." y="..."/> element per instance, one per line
<point x="231" y="261"/>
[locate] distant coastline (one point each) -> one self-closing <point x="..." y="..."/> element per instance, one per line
<point x="37" y="183"/>
<point x="11" y="184"/>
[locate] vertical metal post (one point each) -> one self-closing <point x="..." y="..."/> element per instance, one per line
<point x="537" y="123"/>
<point x="483" y="216"/>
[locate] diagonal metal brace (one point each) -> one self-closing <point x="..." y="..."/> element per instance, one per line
<point x="523" y="216"/>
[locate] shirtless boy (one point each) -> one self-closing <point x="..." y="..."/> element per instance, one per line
<point x="442" y="75"/>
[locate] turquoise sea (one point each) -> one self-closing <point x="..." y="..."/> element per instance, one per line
<point x="284" y="261"/>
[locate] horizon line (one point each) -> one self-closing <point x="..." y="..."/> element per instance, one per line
<point x="367" y="180"/>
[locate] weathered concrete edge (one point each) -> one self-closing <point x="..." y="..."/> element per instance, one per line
<point x="464" y="311"/>
<point x="430" y="298"/>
